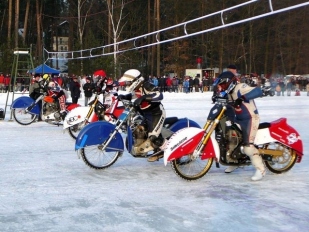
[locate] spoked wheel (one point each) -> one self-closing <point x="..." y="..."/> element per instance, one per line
<point x="191" y="169"/>
<point x="280" y="164"/>
<point x="22" y="117"/>
<point x="74" y="130"/>
<point x="97" y="158"/>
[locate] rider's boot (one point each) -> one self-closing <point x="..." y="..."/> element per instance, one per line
<point x="63" y="114"/>
<point x="256" y="161"/>
<point x="230" y="169"/>
<point x="156" y="142"/>
<point x="156" y="157"/>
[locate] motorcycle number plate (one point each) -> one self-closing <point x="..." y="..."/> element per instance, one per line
<point x="124" y="115"/>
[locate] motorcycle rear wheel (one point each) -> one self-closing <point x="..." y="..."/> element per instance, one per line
<point x="22" y="117"/>
<point x="191" y="169"/>
<point x="281" y="164"/>
<point x="96" y="158"/>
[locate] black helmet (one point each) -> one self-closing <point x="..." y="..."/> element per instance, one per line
<point x="226" y="81"/>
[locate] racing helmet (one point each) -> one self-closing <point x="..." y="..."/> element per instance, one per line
<point x="133" y="79"/>
<point x="130" y="75"/>
<point x="225" y="83"/>
<point x="45" y="77"/>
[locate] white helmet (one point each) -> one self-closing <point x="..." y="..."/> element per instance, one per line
<point x="130" y="75"/>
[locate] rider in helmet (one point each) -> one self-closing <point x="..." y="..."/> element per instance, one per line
<point x="57" y="93"/>
<point x="246" y="114"/>
<point x="149" y="103"/>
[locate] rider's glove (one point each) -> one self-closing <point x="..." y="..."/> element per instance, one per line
<point x="139" y="100"/>
<point x="124" y="97"/>
<point x="238" y="102"/>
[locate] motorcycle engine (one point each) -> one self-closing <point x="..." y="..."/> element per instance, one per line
<point x="234" y="138"/>
<point x="140" y="134"/>
<point x="49" y="108"/>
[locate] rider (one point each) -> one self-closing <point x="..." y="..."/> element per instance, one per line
<point x="36" y="89"/>
<point x="57" y="94"/>
<point x="149" y="103"/>
<point x="246" y="114"/>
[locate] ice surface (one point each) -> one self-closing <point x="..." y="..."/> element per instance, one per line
<point x="45" y="187"/>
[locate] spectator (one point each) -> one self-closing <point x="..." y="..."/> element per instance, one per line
<point x="88" y="90"/>
<point x="196" y="83"/>
<point x="161" y="84"/>
<point x="282" y="87"/>
<point x="191" y="84"/>
<point x="7" y="80"/>
<point x="180" y="85"/>
<point x="2" y="86"/>
<point x="205" y="84"/>
<point x="169" y="84"/>
<point x="175" y="84"/>
<point x="75" y="89"/>
<point x="186" y="86"/>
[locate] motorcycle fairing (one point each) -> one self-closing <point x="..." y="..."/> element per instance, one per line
<point x="182" y="142"/>
<point x="72" y="106"/>
<point x="23" y="102"/>
<point x="215" y="111"/>
<point x="183" y="123"/>
<point x="96" y="133"/>
<point x="280" y="131"/>
<point x="78" y="115"/>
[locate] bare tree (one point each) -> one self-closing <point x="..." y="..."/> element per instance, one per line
<point x="10" y="23"/>
<point x="115" y="18"/>
<point x="26" y="22"/>
<point x="81" y="23"/>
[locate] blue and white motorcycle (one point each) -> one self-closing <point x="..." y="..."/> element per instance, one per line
<point x="101" y="143"/>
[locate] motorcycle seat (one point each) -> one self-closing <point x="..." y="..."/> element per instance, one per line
<point x="264" y="125"/>
<point x="170" y="120"/>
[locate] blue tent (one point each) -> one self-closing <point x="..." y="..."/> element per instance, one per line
<point x="41" y="69"/>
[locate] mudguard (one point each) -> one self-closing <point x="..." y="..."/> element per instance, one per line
<point x="96" y="133"/>
<point x="72" y="106"/>
<point x="23" y="102"/>
<point x="280" y="131"/>
<point x="184" y="141"/>
<point x="183" y="123"/>
<point x="78" y="115"/>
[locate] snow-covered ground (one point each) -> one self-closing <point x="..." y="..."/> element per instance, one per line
<point x="45" y="187"/>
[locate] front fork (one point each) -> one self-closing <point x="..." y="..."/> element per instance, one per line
<point x="209" y="127"/>
<point x="29" y="108"/>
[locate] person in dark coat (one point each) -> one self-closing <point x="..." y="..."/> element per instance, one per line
<point x="88" y="90"/>
<point x="75" y="89"/>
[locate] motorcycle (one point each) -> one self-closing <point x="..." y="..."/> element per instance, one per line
<point x="79" y="117"/>
<point x="192" y="151"/>
<point x="100" y="144"/>
<point x="267" y="91"/>
<point x="25" y="110"/>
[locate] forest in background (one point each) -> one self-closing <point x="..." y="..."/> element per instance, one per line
<point x="273" y="45"/>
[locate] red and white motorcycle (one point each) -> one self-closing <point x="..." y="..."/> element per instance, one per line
<point x="79" y="117"/>
<point x="193" y="150"/>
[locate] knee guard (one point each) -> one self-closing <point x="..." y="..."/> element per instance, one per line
<point x="250" y="150"/>
<point x="255" y="157"/>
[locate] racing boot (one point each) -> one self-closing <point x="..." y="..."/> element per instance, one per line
<point x="230" y="169"/>
<point x="156" y="156"/>
<point x="256" y="161"/>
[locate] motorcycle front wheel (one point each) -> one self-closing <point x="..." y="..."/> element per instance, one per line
<point x="280" y="164"/>
<point x="74" y="130"/>
<point x="22" y="117"/>
<point x="96" y="158"/>
<point x="191" y="169"/>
